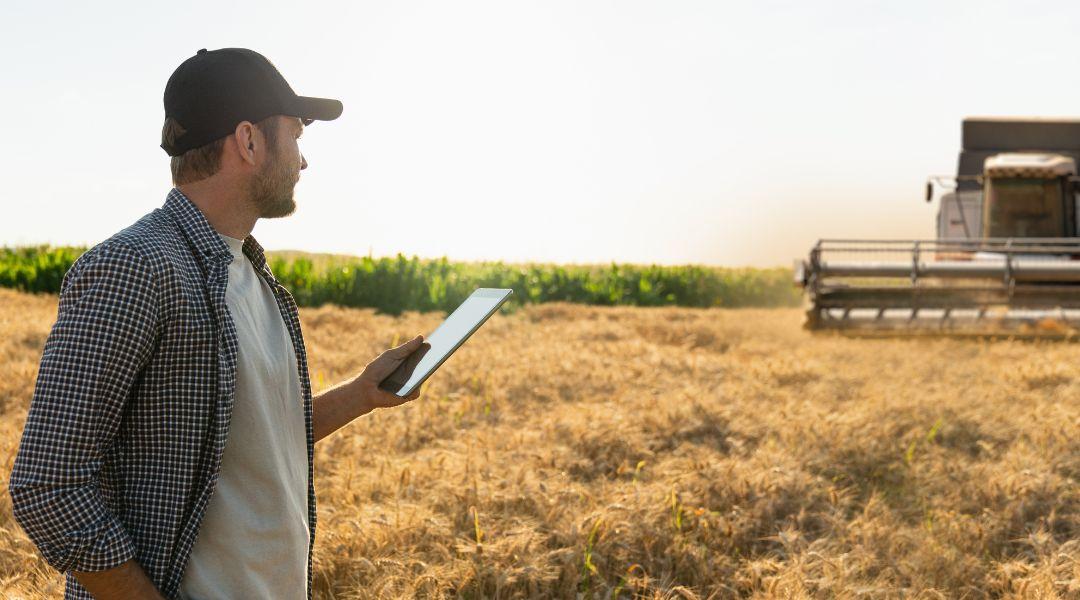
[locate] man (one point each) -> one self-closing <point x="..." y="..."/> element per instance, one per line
<point x="169" y="445"/>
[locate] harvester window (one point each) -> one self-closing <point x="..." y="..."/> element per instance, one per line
<point x="1024" y="208"/>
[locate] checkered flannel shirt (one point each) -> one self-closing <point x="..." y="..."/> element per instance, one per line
<point x="130" y="413"/>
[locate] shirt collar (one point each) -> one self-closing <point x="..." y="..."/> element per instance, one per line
<point x="208" y="245"/>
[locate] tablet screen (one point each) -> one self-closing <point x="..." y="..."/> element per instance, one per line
<point x="442" y="342"/>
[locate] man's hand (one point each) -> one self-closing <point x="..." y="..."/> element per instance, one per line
<point x="367" y="383"/>
<point x="128" y="580"/>
<point x="336" y="407"/>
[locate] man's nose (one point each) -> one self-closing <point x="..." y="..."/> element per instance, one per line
<point x="303" y="162"/>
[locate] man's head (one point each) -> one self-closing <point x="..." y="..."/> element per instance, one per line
<point x="261" y="159"/>
<point x="231" y="116"/>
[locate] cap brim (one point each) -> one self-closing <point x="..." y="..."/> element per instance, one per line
<point x="310" y="109"/>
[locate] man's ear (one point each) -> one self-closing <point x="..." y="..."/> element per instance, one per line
<point x="244" y="137"/>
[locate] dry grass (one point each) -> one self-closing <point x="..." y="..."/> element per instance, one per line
<point x="671" y="453"/>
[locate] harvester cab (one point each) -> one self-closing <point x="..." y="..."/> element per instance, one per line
<point x="1022" y="195"/>
<point x="1006" y="258"/>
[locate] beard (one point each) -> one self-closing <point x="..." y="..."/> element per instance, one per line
<point x="271" y="189"/>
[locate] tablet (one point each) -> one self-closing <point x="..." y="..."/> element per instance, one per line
<point x="447" y="337"/>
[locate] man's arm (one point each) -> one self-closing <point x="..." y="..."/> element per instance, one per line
<point x="336" y="407"/>
<point x="105" y="332"/>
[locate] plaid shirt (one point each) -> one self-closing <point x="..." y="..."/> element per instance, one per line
<point x="130" y="413"/>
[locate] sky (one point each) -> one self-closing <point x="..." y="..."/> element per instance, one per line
<point x="663" y="132"/>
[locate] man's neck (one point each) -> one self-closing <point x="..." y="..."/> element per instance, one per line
<point x="225" y="208"/>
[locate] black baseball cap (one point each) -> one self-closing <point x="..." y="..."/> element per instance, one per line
<point x="213" y="91"/>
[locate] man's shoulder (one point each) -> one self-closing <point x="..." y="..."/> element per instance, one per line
<point x="153" y="244"/>
<point x="151" y="237"/>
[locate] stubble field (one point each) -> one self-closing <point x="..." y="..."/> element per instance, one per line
<point x="573" y="451"/>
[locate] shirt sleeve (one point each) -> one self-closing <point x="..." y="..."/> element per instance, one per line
<point x="106" y="328"/>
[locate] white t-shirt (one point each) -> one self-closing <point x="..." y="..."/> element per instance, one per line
<point x="253" y="541"/>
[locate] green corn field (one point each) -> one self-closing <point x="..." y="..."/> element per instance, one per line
<point x="396" y="284"/>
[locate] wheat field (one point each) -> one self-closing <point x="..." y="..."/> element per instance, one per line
<point x="611" y="452"/>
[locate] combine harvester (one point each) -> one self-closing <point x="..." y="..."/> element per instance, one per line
<point x="1006" y="260"/>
